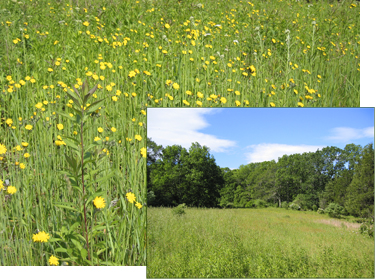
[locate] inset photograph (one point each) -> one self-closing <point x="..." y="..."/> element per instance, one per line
<point x="260" y="193"/>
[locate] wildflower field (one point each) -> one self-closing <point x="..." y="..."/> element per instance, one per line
<point x="76" y="79"/>
<point x="255" y="243"/>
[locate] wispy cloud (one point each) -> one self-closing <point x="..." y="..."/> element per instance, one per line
<point x="266" y="152"/>
<point x="170" y="126"/>
<point x="346" y="134"/>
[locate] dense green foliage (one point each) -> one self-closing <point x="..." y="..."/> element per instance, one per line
<point x="181" y="176"/>
<point x="255" y="243"/>
<point x="308" y="181"/>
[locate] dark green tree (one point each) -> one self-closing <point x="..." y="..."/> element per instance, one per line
<point x="360" y="197"/>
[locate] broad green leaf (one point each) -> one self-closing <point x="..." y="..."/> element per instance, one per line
<point x="84" y="253"/>
<point x="61" y="250"/>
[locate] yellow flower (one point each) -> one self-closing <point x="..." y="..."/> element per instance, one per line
<point x="176" y="86"/>
<point x="50" y="70"/>
<point x="99" y="202"/>
<point x="9" y="122"/>
<point x="199" y="103"/>
<point x="300" y="104"/>
<point x="53" y="260"/>
<point x="143" y="152"/>
<point x="59" y="126"/>
<point x="200" y="95"/>
<point x="41" y="237"/>
<point x="113" y="129"/>
<point x="167" y="25"/>
<point x="132" y="74"/>
<point x="11" y="190"/>
<point x="114" y="98"/>
<point x="86" y="23"/>
<point x="22" y="166"/>
<point x="237" y="103"/>
<point x="97" y="139"/>
<point x="25" y="144"/>
<point x="26" y="155"/>
<point x="272" y="104"/>
<point x="3" y="149"/>
<point x="138" y="205"/>
<point x="131" y="197"/>
<point x="29" y="127"/>
<point x="223" y="100"/>
<point x="39" y="105"/>
<point x="100" y="130"/>
<point x="138" y="137"/>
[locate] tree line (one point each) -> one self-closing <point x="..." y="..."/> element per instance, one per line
<point x="305" y="181"/>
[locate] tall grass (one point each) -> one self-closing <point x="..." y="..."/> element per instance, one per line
<point x="217" y="53"/>
<point x="261" y="243"/>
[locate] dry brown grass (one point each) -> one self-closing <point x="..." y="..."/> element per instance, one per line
<point x="338" y="223"/>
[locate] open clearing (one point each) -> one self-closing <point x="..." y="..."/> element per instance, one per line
<point x="258" y="243"/>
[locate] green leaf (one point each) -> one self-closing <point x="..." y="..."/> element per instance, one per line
<point x="75" y="100"/>
<point x="87" y="96"/>
<point x="83" y="253"/>
<point x="66" y="207"/>
<point x="93" y="107"/>
<point x="71" y="144"/>
<point x="61" y="250"/>
<point x="53" y="239"/>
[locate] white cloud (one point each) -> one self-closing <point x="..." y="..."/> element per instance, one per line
<point x="170" y="126"/>
<point x="347" y="134"/>
<point x="266" y="152"/>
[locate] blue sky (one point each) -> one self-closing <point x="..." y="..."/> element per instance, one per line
<point x="238" y="136"/>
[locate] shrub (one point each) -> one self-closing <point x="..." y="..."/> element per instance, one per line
<point x="334" y="210"/>
<point x="259" y="203"/>
<point x="230" y="205"/>
<point x="368" y="228"/>
<point x="320" y="211"/>
<point x="179" y="210"/>
<point x="294" y="206"/>
<point x="314" y="208"/>
<point x="285" y="205"/>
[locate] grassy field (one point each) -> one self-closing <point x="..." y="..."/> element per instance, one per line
<point x="283" y="53"/>
<point x="139" y="53"/>
<point x="260" y="243"/>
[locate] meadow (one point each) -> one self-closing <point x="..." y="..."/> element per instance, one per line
<point x="282" y="53"/>
<point x="73" y="160"/>
<point x="255" y="243"/>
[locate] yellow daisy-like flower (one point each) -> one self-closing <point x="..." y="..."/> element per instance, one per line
<point x="113" y="129"/>
<point x="175" y="86"/>
<point x="143" y="152"/>
<point x="300" y="104"/>
<point x="223" y="100"/>
<point x="11" y="190"/>
<point x="1" y="185"/>
<point x="53" y="260"/>
<point x="60" y="126"/>
<point x="25" y="144"/>
<point x="26" y="155"/>
<point x="9" y="122"/>
<point x="138" y="137"/>
<point x="96" y="139"/>
<point x="100" y="130"/>
<point x="41" y="237"/>
<point x="99" y="202"/>
<point x="29" y="127"/>
<point x="131" y="197"/>
<point x="272" y="104"/>
<point x="3" y="149"/>
<point x="22" y="166"/>
<point x="138" y="205"/>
